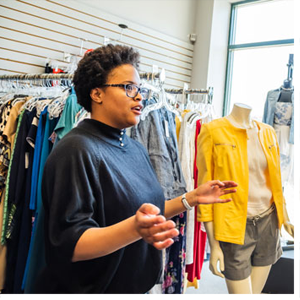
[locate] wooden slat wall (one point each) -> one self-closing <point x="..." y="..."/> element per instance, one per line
<point x="32" y="31"/>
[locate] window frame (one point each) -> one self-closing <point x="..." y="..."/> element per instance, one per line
<point x="232" y="47"/>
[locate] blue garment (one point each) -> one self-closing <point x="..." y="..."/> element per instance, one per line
<point x="36" y="257"/>
<point x="36" y="160"/>
<point x="67" y="119"/>
<point x="269" y="111"/>
<point x="157" y="133"/>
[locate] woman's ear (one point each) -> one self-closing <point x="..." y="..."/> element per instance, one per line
<point x="96" y="94"/>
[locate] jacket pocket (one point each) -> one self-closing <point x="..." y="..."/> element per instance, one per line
<point x="271" y="146"/>
<point x="226" y="144"/>
<point x="225" y="154"/>
<point x="273" y="153"/>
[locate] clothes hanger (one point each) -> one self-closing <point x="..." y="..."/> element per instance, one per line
<point x="162" y="100"/>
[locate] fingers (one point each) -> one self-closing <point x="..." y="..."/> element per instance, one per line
<point x="215" y="270"/>
<point x="147" y="215"/>
<point x="225" y="192"/>
<point x="147" y="221"/>
<point x="216" y="182"/>
<point x="163" y="245"/>
<point x="161" y="232"/>
<point x="154" y="228"/>
<point x="222" y="200"/>
<point x="164" y="240"/>
<point x="229" y="184"/>
<point x="148" y="208"/>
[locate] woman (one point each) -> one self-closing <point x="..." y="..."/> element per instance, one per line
<point x="105" y="213"/>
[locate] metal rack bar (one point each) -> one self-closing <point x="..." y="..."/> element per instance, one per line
<point x="59" y="76"/>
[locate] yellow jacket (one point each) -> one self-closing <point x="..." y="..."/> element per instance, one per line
<point x="222" y="154"/>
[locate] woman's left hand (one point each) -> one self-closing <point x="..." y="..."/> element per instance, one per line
<point x="211" y="191"/>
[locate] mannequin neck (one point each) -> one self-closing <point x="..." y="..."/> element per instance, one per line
<point x="240" y="115"/>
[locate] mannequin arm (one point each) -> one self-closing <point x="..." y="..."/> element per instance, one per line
<point x="216" y="251"/>
<point x="288" y="226"/>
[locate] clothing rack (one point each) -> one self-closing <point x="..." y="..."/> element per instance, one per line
<point x="68" y="77"/>
<point x="64" y="76"/>
<point x="190" y="91"/>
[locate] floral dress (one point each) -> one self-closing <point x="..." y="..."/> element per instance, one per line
<point x="282" y="125"/>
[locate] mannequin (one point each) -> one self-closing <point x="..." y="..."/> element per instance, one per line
<point x="254" y="283"/>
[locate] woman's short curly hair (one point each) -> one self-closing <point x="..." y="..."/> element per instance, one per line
<point x="94" y="68"/>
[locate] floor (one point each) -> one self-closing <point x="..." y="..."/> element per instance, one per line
<point x="211" y="284"/>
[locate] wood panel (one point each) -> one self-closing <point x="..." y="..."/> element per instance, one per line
<point x="32" y="32"/>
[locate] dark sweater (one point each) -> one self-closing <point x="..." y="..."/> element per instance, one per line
<point x="94" y="179"/>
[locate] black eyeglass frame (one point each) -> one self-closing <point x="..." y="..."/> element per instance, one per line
<point x="139" y="89"/>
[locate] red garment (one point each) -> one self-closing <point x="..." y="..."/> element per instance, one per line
<point x="194" y="270"/>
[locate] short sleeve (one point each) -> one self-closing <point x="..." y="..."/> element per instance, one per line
<point x="70" y="183"/>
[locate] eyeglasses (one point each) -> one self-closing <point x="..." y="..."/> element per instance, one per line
<point x="132" y="90"/>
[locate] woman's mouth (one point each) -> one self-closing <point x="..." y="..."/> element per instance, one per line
<point x="137" y="109"/>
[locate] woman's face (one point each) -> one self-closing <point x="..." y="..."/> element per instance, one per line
<point x="116" y="108"/>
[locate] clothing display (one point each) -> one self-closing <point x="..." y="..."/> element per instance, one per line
<point x="40" y="223"/>
<point x="25" y="138"/>
<point x="222" y="154"/>
<point x="122" y="170"/>
<point x="187" y="134"/>
<point x="258" y="169"/>
<point x="282" y="124"/>
<point x="279" y="113"/>
<point x="261" y="247"/>
<point x="39" y="133"/>
<point x="157" y="133"/>
<point x="200" y="237"/>
<point x="270" y="108"/>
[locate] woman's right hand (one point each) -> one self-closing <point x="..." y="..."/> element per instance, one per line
<point x="154" y="228"/>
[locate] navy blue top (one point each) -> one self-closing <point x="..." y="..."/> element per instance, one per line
<point x="97" y="176"/>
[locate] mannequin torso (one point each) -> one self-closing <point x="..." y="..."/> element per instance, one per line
<point x="239" y="117"/>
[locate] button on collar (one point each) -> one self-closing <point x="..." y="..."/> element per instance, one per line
<point x="121" y="137"/>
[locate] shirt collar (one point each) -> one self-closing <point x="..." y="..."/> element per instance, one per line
<point x="114" y="136"/>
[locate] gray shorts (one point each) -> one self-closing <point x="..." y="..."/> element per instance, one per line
<point x="261" y="247"/>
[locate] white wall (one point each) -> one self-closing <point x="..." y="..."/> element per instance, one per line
<point x="210" y="50"/>
<point x="204" y="13"/>
<point x="175" y="18"/>
<point x="218" y="52"/>
<point x="32" y="31"/>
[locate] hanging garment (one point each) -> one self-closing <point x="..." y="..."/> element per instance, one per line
<point x="7" y="143"/>
<point x="186" y="149"/>
<point x="18" y="195"/>
<point x="200" y="237"/>
<point x="3" y="248"/>
<point x="157" y="133"/>
<point x="269" y="111"/>
<point x="4" y="151"/>
<point x="282" y="124"/>
<point x="36" y="257"/>
<point x="8" y="229"/>
<point x="222" y="154"/>
<point x="67" y="118"/>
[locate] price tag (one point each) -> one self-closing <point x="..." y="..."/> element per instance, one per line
<point x="167" y="128"/>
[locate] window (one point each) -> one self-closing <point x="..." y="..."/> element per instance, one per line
<point x="260" y="44"/>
